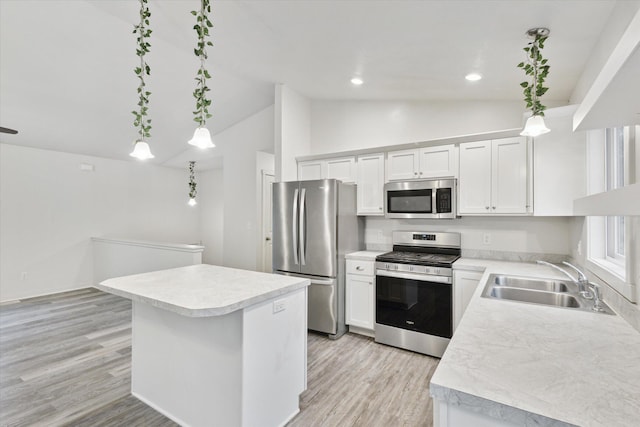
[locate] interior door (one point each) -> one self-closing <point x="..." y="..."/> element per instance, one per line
<point x="318" y="212"/>
<point x="285" y="226"/>
<point x="267" y="223"/>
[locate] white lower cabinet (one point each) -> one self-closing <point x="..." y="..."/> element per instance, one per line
<point x="360" y="298"/>
<point x="464" y="285"/>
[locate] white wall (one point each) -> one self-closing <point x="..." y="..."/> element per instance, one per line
<point x="50" y="208"/>
<point x="239" y="145"/>
<point x="348" y="125"/>
<point x="292" y="131"/>
<point x="507" y="234"/>
<point x="211" y="206"/>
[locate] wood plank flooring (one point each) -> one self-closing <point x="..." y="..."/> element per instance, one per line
<point x="65" y="359"/>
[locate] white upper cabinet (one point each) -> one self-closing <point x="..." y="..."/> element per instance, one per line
<point x="438" y="161"/>
<point x="428" y="162"/>
<point x="315" y="169"/>
<point x="559" y="164"/>
<point x="494" y="177"/>
<point x="342" y="168"/>
<point x="402" y="165"/>
<point x="371" y="184"/>
<point x="474" y="184"/>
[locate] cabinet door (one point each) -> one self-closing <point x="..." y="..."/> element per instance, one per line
<point x="311" y="170"/>
<point x="360" y="301"/>
<point x="464" y="286"/>
<point x="559" y="165"/>
<point x="474" y="186"/>
<point x="509" y="178"/>
<point x="371" y="184"/>
<point x="402" y="165"/>
<point x="437" y="162"/>
<point x="343" y="169"/>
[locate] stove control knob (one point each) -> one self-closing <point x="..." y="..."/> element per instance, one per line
<point x="396" y="267"/>
<point x="411" y="268"/>
<point x="436" y="271"/>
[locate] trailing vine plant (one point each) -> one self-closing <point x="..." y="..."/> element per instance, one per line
<point x="192" y="180"/>
<point x="536" y="67"/>
<point x="142" y="122"/>
<point x="201" y="114"/>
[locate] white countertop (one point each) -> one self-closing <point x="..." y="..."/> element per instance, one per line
<point x="365" y="255"/>
<point x="202" y="290"/>
<point x="573" y="366"/>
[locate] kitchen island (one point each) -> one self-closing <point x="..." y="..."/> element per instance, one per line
<point x="217" y="346"/>
<point x="516" y="364"/>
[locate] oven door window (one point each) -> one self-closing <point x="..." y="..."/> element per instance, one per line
<point x="409" y="201"/>
<point x="415" y="305"/>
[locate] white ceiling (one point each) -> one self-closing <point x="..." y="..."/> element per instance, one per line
<point x="67" y="81"/>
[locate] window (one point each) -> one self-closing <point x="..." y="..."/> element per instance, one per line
<point x="614" y="177"/>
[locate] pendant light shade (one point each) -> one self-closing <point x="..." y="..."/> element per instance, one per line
<point x="534" y="127"/>
<point x="141" y="151"/>
<point x="192" y="202"/>
<point x="202" y="138"/>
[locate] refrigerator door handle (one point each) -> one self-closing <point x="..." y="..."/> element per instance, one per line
<point x="294" y="227"/>
<point x="303" y="226"/>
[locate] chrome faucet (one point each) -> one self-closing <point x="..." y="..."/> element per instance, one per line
<point x="597" y="302"/>
<point x="581" y="282"/>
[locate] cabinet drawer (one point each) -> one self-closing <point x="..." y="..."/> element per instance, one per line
<point x="360" y="267"/>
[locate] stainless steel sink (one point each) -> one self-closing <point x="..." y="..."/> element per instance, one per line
<point x="549" y="292"/>
<point x="537" y="284"/>
<point x="535" y="297"/>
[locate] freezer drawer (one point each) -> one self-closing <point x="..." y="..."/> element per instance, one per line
<point x="323" y="308"/>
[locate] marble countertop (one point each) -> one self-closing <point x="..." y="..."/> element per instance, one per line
<point x="533" y="365"/>
<point x="202" y="290"/>
<point x="364" y="255"/>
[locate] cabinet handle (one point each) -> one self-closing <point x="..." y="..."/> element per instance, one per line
<point x="493" y="207"/>
<point x="359" y="268"/>
<point x="380" y="208"/>
<point x="415" y="173"/>
<point x="420" y="173"/>
<point x="371" y="283"/>
<point x="486" y="207"/>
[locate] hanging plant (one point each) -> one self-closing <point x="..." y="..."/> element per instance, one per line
<point x="142" y="122"/>
<point x="536" y="67"/>
<point x="192" y="181"/>
<point x="201" y="114"/>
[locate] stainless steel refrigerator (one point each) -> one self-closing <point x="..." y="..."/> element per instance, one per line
<point x="314" y="226"/>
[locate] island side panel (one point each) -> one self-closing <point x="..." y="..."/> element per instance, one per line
<point x="189" y="369"/>
<point x="275" y="359"/>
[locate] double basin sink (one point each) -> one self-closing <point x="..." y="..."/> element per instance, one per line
<point x="549" y="292"/>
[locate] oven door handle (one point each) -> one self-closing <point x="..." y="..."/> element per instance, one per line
<point x="412" y="276"/>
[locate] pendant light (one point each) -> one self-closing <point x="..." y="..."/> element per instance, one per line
<point x="141" y="150"/>
<point x="537" y="68"/>
<point x="192" y="184"/>
<point x="201" y="136"/>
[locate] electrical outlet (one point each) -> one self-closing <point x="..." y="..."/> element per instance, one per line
<point x="279" y="305"/>
<point x="486" y="239"/>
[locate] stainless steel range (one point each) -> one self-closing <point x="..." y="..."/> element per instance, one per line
<point x="414" y="291"/>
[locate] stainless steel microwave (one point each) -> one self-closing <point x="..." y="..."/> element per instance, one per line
<point x="433" y="199"/>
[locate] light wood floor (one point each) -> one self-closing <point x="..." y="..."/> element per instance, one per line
<point x="65" y="360"/>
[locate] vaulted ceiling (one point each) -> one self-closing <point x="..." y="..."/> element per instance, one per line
<point x="67" y="81"/>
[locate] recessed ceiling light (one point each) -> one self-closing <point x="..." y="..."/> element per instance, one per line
<point x="357" y="81"/>
<point x="473" y="77"/>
